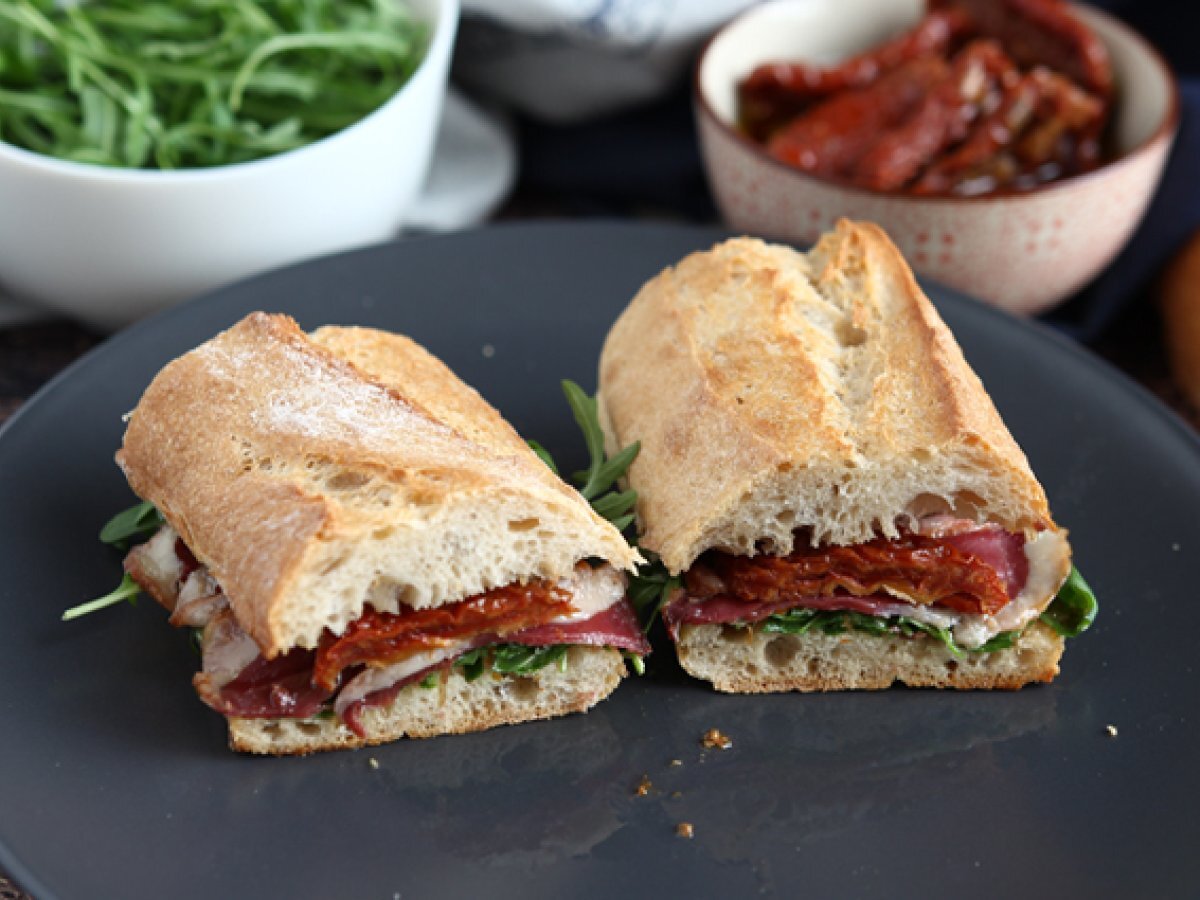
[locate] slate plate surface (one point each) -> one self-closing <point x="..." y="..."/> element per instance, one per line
<point x="116" y="781"/>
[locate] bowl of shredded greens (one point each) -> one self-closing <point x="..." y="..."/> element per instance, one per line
<point x="154" y="149"/>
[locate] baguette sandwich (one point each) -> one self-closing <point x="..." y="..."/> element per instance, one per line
<point x="366" y="548"/>
<point x="825" y="480"/>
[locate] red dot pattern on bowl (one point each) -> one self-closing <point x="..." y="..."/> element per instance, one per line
<point x="1023" y="253"/>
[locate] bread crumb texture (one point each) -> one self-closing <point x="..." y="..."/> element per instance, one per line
<point x="459" y="706"/>
<point x="713" y="739"/>
<point x="744" y="660"/>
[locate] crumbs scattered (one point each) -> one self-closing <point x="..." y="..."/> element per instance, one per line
<point x="643" y="787"/>
<point x="488" y="351"/>
<point x="1175" y="547"/>
<point x="675" y="763"/>
<point x="373" y="763"/>
<point x="713" y="739"/>
<point x="685" y="830"/>
<point x="676" y="795"/>
<point x="1111" y="729"/>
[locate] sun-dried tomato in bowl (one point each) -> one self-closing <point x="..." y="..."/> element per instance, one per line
<point x="979" y="96"/>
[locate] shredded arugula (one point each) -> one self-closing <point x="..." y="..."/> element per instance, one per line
<point x="509" y="659"/>
<point x="1070" y="614"/>
<point x="168" y="85"/>
<point x="430" y="680"/>
<point x="516" y="659"/>
<point x="472" y="663"/>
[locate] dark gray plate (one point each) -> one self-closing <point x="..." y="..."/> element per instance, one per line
<point x="115" y="780"/>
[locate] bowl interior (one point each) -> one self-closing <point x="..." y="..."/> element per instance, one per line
<point x="827" y="31"/>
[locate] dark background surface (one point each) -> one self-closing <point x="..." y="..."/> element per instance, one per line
<point x="126" y="789"/>
<point x="645" y="164"/>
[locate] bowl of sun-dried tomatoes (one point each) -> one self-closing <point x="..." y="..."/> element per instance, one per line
<point x="1009" y="147"/>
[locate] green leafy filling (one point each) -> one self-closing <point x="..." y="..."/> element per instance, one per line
<point x="127" y="527"/>
<point x="131" y="525"/>
<point x="1070" y="614"/>
<point x="505" y="659"/>
<point x="1074" y="609"/>
<point x="651" y="588"/>
<point x="596" y="482"/>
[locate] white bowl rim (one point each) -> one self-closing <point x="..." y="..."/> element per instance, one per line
<point x="1166" y="130"/>
<point x="447" y="16"/>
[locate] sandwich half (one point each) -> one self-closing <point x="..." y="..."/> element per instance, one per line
<point x="365" y="548"/>
<point x="825" y="478"/>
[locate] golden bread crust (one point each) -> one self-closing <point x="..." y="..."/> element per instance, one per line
<point x="773" y="390"/>
<point x="315" y="475"/>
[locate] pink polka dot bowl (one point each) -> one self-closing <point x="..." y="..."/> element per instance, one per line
<point x="1023" y="252"/>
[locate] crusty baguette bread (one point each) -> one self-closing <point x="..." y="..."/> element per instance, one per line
<point x="455" y="706"/>
<point x="746" y="660"/>
<point x="312" y="475"/>
<point x="772" y="389"/>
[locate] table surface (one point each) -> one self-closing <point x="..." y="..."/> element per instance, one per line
<point x="30" y="355"/>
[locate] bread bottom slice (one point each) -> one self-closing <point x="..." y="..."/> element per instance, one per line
<point x="455" y="706"/>
<point x="742" y="660"/>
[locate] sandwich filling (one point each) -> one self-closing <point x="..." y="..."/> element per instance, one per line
<point x="975" y="582"/>
<point x="520" y="627"/>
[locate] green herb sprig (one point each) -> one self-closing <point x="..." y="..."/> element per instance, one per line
<point x="596" y="482"/>
<point x="1070" y="613"/>
<point x="195" y="83"/>
<point x="651" y="588"/>
<point x="505" y="659"/>
<point x="127" y="590"/>
<point x="125" y="528"/>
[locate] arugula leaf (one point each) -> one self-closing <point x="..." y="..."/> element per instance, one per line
<point x="635" y="662"/>
<point x="1074" y="609"/>
<point x="836" y="621"/>
<point x="937" y="633"/>
<point x="793" y="621"/>
<point x="596" y="482"/>
<point x="510" y="659"/>
<point x="650" y="588"/>
<point x="613" y="505"/>
<point x="136" y="522"/>
<point x="127" y="590"/>
<point x="587" y="418"/>
<point x="516" y="659"/>
<point x="1002" y="641"/>
<point x="430" y="680"/>
<point x="472" y="663"/>
<point x="543" y="455"/>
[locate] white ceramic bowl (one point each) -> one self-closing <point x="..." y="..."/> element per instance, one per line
<point x="1022" y="252"/>
<point x="108" y="245"/>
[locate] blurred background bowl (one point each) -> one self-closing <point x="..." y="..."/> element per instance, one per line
<point x="1022" y="252"/>
<point x="109" y="245"/>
